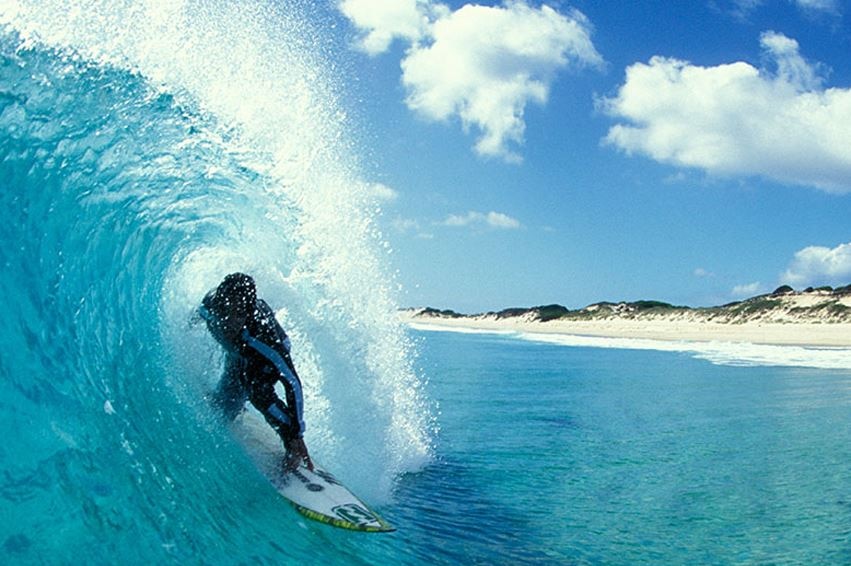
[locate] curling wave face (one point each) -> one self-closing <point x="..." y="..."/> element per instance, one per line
<point x="146" y="151"/>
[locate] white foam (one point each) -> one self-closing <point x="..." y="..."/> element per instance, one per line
<point x="716" y="352"/>
<point x="456" y="329"/>
<point x="721" y="353"/>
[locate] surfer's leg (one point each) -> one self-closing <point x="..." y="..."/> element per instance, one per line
<point x="230" y="394"/>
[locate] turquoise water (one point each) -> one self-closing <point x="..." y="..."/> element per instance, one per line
<point x="148" y="148"/>
<point x="590" y="455"/>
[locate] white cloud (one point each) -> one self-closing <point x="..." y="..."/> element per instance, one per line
<point x="735" y="119"/>
<point x="792" y="69"/>
<point x="492" y="219"/>
<point x="382" y="192"/>
<point x="702" y="273"/>
<point x="405" y="225"/>
<point x="744" y="7"/>
<point x="382" y="21"/>
<point x="816" y="265"/>
<point x="410" y="226"/>
<point x="499" y="220"/>
<point x="831" y="6"/>
<point x="747" y="290"/>
<point x="481" y="64"/>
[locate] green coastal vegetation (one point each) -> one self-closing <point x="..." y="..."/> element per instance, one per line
<point x="784" y="304"/>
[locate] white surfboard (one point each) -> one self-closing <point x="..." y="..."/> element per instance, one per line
<point x="318" y="495"/>
<point x="315" y="494"/>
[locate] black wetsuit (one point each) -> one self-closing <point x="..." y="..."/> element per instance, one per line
<point x="258" y="359"/>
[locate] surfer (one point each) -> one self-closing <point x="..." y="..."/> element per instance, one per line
<point x="257" y="357"/>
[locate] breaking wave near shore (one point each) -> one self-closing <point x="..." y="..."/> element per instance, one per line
<point x="147" y="150"/>
<point x="718" y="352"/>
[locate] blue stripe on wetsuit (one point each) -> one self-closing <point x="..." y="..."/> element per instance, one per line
<point x="276" y="412"/>
<point x="279" y="362"/>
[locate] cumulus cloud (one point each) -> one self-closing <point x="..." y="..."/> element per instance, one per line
<point x="491" y="219"/>
<point x="382" y="192"/>
<point x="480" y="64"/>
<point x="815" y="265"/>
<point x="382" y="21"/>
<point x="735" y="119"/>
<point x="747" y="290"/>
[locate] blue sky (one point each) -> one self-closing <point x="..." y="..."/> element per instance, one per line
<point x="524" y="153"/>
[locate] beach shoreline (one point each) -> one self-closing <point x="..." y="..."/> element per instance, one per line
<point x="681" y="329"/>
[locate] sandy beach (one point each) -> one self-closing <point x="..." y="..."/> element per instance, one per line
<point x="813" y="334"/>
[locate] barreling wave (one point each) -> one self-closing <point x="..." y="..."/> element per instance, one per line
<point x="146" y="150"/>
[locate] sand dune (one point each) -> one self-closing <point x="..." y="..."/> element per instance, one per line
<point x="814" y="318"/>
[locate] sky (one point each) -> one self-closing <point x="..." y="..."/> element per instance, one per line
<point x="524" y="153"/>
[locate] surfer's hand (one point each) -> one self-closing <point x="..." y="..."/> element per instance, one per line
<point x="296" y="454"/>
<point x="196" y="318"/>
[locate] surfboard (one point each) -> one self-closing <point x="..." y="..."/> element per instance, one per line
<point x="315" y="494"/>
<point x="318" y="495"/>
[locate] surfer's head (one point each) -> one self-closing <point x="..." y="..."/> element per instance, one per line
<point x="233" y="301"/>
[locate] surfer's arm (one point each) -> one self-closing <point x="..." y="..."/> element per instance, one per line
<point x="199" y="315"/>
<point x="279" y="416"/>
<point x="288" y="377"/>
<point x="297" y="453"/>
<point x="295" y="397"/>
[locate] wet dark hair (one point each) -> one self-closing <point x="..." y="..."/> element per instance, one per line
<point x="237" y="293"/>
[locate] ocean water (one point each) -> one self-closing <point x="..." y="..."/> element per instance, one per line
<point x="613" y="452"/>
<point x="148" y="148"/>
